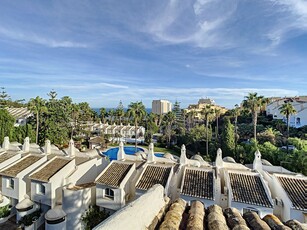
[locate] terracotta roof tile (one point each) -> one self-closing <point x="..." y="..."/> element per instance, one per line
<point x="249" y="189"/>
<point x="296" y="190"/>
<point x="45" y="173"/>
<point x="154" y="174"/>
<point x="21" y="165"/>
<point x="114" y="174"/>
<point x="198" y="183"/>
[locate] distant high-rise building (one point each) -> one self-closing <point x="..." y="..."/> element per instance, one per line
<point x="161" y="106"/>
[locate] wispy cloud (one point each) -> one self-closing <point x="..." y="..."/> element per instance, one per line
<point x="38" y="39"/>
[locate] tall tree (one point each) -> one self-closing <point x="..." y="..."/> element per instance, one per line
<point x="120" y="112"/>
<point x="136" y="111"/>
<point x="236" y="113"/>
<point x="38" y="107"/>
<point x="111" y="115"/>
<point x="217" y="113"/>
<point x="287" y="110"/>
<point x="208" y="114"/>
<point x="4" y="97"/>
<point x="253" y="103"/>
<point x="228" y="138"/>
<point x="168" y="122"/>
<point x="6" y="124"/>
<point x="102" y="114"/>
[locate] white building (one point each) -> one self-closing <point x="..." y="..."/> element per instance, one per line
<point x="201" y="183"/>
<point x="161" y="107"/>
<point x="113" y="185"/>
<point x="154" y="173"/>
<point x="20" y="114"/>
<point x="299" y="103"/>
<point x="247" y="191"/>
<point x="15" y="182"/>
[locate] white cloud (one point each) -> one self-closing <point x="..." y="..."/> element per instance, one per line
<point x="38" y="39"/>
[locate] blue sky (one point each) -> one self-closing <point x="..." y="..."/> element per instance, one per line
<point x="135" y="50"/>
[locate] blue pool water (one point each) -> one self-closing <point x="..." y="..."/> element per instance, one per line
<point x="159" y="154"/>
<point x="112" y="153"/>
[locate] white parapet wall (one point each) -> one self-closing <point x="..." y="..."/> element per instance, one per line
<point x="128" y="218"/>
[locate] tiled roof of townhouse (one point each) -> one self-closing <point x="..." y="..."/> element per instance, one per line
<point x="5" y="156"/>
<point x="154" y="174"/>
<point x="249" y="189"/>
<point x="296" y="188"/>
<point x="114" y="174"/>
<point x="51" y="168"/>
<point x="19" y="112"/>
<point x="198" y="183"/>
<point x="21" y="165"/>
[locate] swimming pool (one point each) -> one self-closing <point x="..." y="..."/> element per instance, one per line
<point x="112" y="153"/>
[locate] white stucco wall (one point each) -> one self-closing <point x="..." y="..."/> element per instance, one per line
<point x="128" y="218"/>
<point x="105" y="202"/>
<point x="84" y="173"/>
<point x="75" y="203"/>
<point x="38" y="197"/>
<point x="7" y="191"/>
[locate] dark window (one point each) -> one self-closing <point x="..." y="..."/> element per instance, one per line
<point x="109" y="193"/>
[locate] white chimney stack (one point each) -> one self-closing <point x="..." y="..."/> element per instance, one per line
<point x="183" y="156"/>
<point x="26" y="145"/>
<point x="151" y="155"/>
<point x="47" y="147"/>
<point x="71" y="148"/>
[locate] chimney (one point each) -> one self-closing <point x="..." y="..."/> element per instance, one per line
<point x="151" y="155"/>
<point x="183" y="156"/>
<point x="219" y="161"/>
<point x="6" y="143"/>
<point x="47" y="147"/>
<point x="257" y="164"/>
<point x="71" y="148"/>
<point x="121" y="152"/>
<point x="26" y="145"/>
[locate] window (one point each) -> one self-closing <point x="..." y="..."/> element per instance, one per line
<point x="250" y="209"/>
<point x="10" y="183"/>
<point x="109" y="193"/>
<point x="41" y="188"/>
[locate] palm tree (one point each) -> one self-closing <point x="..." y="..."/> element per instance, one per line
<point x="37" y="106"/>
<point x="169" y="120"/>
<point x="136" y="111"/>
<point x="102" y="114"/>
<point x="111" y="115"/>
<point x="236" y="112"/>
<point x="208" y="113"/>
<point x="287" y="110"/>
<point x="253" y="103"/>
<point x="217" y="113"/>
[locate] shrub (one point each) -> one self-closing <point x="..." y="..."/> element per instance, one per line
<point x="5" y="211"/>
<point x="93" y="216"/>
<point x="27" y="219"/>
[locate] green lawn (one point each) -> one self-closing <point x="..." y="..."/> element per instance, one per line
<point x="165" y="150"/>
